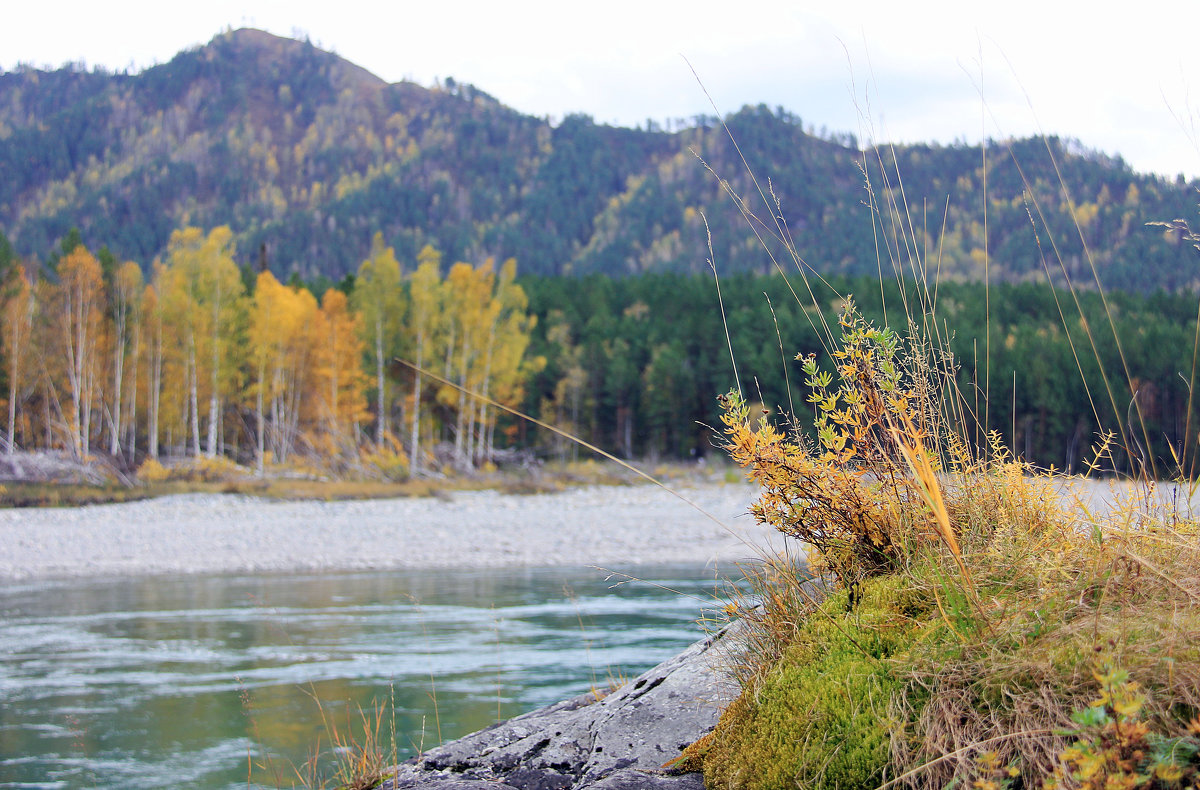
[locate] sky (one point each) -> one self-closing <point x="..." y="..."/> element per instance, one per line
<point x="1124" y="81"/>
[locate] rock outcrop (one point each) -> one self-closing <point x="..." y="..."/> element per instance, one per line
<point x="620" y="742"/>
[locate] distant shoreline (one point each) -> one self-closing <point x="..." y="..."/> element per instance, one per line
<point x="216" y="533"/>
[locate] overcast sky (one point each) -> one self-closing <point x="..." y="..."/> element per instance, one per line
<point x="1125" y="81"/>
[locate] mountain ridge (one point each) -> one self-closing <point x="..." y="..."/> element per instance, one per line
<point x="305" y="155"/>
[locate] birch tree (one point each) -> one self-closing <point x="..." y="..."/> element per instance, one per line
<point x="424" y="318"/>
<point x="204" y="299"/>
<point x="125" y="307"/>
<point x="468" y="292"/>
<point x="154" y="358"/>
<point x="18" y="316"/>
<point x="380" y="301"/>
<point x="506" y="366"/>
<point x="284" y="323"/>
<point x="340" y="378"/>
<point x="74" y="309"/>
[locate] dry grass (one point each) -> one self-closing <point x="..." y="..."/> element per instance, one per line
<point x="1061" y="601"/>
<point x="363" y="751"/>
<point x="1013" y="600"/>
<point x="1014" y="617"/>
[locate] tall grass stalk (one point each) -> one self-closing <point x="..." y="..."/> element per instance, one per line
<point x="974" y="599"/>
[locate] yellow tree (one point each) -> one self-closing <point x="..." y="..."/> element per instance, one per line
<point x="485" y="335"/>
<point x="17" y="315"/>
<point x="380" y="301"/>
<point x="154" y="355"/>
<point x="203" y="298"/>
<point x="506" y="368"/>
<point x="126" y="331"/>
<point x="474" y="309"/>
<point x="470" y="307"/>
<point x="423" y="324"/>
<point x="264" y="338"/>
<point x="340" y="377"/>
<point x="281" y="331"/>
<point x="294" y="408"/>
<point x="74" y="310"/>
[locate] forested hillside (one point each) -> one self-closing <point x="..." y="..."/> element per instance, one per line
<point x="243" y="253"/>
<point x="305" y="156"/>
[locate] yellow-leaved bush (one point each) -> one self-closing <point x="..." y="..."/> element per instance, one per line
<point x="847" y="495"/>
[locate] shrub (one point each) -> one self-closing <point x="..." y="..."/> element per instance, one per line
<point x="387" y="461"/>
<point x="966" y="603"/>
<point x="151" y="471"/>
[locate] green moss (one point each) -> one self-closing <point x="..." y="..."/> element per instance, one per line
<point x="820" y="716"/>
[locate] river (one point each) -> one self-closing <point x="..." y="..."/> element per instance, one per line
<point x="232" y="681"/>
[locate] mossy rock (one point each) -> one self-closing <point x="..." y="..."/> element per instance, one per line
<point x="819" y="717"/>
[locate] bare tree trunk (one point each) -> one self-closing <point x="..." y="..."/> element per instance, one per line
<point x="12" y="418"/>
<point x="14" y="387"/>
<point x="114" y="445"/>
<point x="156" y="363"/>
<point x="46" y="420"/>
<point x="194" y="400"/>
<point x="131" y="432"/>
<point x="487" y="380"/>
<point x="472" y="444"/>
<point x="414" y="440"/>
<point x="335" y="427"/>
<point x="214" y="413"/>
<point x="381" y="424"/>
<point x="85" y="435"/>
<point x="17" y="341"/>
<point x="214" y="400"/>
<point x="461" y="422"/>
<point x="260" y="432"/>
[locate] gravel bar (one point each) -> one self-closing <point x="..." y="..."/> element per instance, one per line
<point x="215" y="533"/>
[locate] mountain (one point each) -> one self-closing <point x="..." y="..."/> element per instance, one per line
<point x="305" y="155"/>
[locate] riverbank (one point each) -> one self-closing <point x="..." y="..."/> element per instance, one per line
<point x="216" y="533"/>
<point x="55" y="479"/>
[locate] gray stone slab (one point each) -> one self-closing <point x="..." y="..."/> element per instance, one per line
<point x="620" y="742"/>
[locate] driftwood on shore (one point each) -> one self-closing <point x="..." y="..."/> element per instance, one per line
<point x="57" y="466"/>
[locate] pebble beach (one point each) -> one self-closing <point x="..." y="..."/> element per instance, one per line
<point x="596" y="525"/>
<point x="217" y="533"/>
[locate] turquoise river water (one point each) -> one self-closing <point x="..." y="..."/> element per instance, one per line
<point x="233" y="681"/>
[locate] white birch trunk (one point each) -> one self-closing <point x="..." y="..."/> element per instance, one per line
<point x="131" y="430"/>
<point x="194" y="399"/>
<point x="414" y="440"/>
<point x="156" y="360"/>
<point x="461" y="422"/>
<point x="214" y="400"/>
<point x="381" y="423"/>
<point x="260" y="431"/>
<point x="114" y="446"/>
